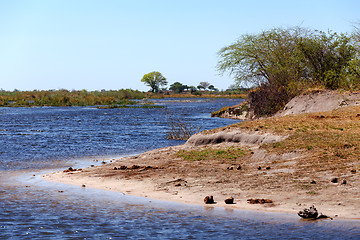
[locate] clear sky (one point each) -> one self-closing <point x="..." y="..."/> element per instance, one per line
<point x="111" y="44"/>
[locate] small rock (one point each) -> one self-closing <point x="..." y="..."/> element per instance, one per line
<point x="70" y="169"/>
<point x="209" y="200"/>
<point x="83" y="185"/>
<point x="123" y="167"/>
<point x="259" y="168"/>
<point x="259" y="201"/>
<point x="344" y="182"/>
<point x="238" y="168"/>
<point x="230" y="168"/>
<point x="229" y="200"/>
<point x="135" y="167"/>
<point x="353" y="171"/>
<point x="311" y="213"/>
<point x="334" y="180"/>
<point x="322" y="216"/>
<point x="268" y="168"/>
<point x="115" y="168"/>
<point x="178" y="185"/>
<point x="313" y="182"/>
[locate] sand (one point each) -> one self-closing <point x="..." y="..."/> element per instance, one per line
<point x="164" y="175"/>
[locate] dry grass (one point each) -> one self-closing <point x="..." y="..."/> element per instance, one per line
<point x="330" y="140"/>
<point x="296" y="170"/>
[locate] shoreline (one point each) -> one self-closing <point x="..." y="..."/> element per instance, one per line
<point x="159" y="184"/>
<point x="277" y="158"/>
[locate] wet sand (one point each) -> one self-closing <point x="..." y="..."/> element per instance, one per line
<point x="161" y="174"/>
<point x="164" y="175"/>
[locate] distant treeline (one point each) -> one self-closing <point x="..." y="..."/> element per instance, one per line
<point x="64" y="97"/>
<point x="68" y="98"/>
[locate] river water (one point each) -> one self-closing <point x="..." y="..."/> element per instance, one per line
<point x="36" y="141"/>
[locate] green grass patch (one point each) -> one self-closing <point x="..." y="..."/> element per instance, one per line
<point x="225" y="154"/>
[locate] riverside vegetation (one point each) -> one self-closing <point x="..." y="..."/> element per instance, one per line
<point x="315" y="159"/>
<point x="283" y="63"/>
<point x="68" y="98"/>
<point x="112" y="98"/>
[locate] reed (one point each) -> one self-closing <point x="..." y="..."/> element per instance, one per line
<point x="68" y="98"/>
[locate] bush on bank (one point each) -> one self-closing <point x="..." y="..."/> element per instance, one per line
<point x="282" y="63"/>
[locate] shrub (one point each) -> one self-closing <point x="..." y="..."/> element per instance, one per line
<point x="283" y="62"/>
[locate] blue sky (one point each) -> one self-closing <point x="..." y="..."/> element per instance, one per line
<point x="108" y="44"/>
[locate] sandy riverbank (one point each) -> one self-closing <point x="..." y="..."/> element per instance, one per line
<point x="233" y="161"/>
<point x="170" y="178"/>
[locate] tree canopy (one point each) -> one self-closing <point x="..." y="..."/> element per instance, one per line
<point x="154" y="80"/>
<point x="203" y="85"/>
<point x="178" y="87"/>
<point x="282" y="62"/>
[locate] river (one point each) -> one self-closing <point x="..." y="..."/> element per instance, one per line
<point x="36" y="141"/>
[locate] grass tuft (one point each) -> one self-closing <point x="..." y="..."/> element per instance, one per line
<point x="226" y="154"/>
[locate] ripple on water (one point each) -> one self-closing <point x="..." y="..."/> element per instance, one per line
<point x="48" y="138"/>
<point x="91" y="213"/>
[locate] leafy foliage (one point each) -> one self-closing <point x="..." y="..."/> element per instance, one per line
<point x="178" y="87"/>
<point x="283" y="62"/>
<point x="154" y="80"/>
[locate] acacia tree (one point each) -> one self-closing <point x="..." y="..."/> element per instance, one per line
<point x="154" y="80"/>
<point x="268" y="60"/>
<point x="263" y="58"/>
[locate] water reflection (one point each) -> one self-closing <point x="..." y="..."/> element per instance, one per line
<point x="75" y="212"/>
<point x="37" y="141"/>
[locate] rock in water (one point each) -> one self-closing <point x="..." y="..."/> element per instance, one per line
<point x="309" y="213"/>
<point x="209" y="200"/>
<point x="229" y="200"/>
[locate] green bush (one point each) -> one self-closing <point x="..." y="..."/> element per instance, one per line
<point x="282" y="63"/>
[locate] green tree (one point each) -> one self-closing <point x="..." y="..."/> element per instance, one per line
<point x="192" y="89"/>
<point x="282" y="62"/>
<point x="328" y="57"/>
<point x="212" y="88"/>
<point x="154" y="80"/>
<point x="177" y="87"/>
<point x="268" y="57"/>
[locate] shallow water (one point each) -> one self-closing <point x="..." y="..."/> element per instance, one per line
<point x="36" y="141"/>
